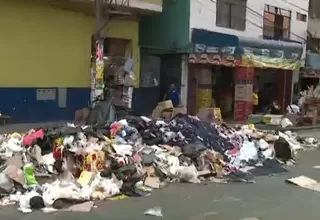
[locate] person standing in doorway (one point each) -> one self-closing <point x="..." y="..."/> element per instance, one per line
<point x="255" y="98"/>
<point x="173" y="95"/>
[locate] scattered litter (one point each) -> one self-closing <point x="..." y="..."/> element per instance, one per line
<point x="316" y="167"/>
<point x="305" y="182"/>
<point x="155" y="211"/>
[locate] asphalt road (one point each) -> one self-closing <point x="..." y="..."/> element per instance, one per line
<point x="270" y="198"/>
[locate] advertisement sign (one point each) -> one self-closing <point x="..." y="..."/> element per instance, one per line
<point x="251" y="57"/>
<point x="214" y="55"/>
<point x="268" y="58"/>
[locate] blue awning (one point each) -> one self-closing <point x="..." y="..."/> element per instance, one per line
<point x="213" y="39"/>
<point x="216" y="39"/>
<point x="270" y="44"/>
<point x="251" y="52"/>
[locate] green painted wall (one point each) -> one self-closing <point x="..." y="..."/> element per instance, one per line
<point x="168" y="30"/>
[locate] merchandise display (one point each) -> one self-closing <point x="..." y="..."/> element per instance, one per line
<point x="69" y="167"/>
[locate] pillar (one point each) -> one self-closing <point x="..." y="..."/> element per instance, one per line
<point x="184" y="80"/>
<point x="244" y="77"/>
<point x="204" y="90"/>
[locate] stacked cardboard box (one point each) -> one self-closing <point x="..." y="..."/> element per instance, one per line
<point x="166" y="110"/>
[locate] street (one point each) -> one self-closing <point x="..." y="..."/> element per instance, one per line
<point x="269" y="198"/>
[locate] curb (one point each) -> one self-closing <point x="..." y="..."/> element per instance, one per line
<point x="300" y="128"/>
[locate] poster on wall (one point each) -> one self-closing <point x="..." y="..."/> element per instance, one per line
<point x="243" y="93"/>
<point x="97" y="70"/>
<point x="268" y="58"/>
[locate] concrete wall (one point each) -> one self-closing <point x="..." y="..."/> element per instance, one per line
<point x="42" y="47"/>
<point x="203" y="16"/>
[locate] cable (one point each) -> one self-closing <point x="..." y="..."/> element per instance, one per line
<point x="294" y="5"/>
<point x="260" y="16"/>
<point x="235" y="16"/>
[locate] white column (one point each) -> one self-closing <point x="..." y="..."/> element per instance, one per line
<point x="184" y="80"/>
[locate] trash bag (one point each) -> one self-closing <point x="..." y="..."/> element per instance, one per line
<point x="103" y="112"/>
<point x="282" y="149"/>
<point x="193" y="149"/>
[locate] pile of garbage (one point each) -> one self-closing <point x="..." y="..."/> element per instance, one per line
<point x="68" y="167"/>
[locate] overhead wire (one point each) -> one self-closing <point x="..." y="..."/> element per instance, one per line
<point x="296" y="6"/>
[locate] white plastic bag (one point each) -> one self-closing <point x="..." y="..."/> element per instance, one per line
<point x="285" y="122"/>
<point x="155" y="211"/>
<point x="263" y="145"/>
<point x="187" y="174"/>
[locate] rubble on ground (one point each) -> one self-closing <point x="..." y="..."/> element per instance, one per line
<point x="68" y="167"/>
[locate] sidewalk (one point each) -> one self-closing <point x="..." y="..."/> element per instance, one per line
<point x="9" y="128"/>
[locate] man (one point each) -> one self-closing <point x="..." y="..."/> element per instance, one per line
<point x="173" y="95"/>
<point x="255" y="97"/>
<point x="274" y="108"/>
<point x="293" y="108"/>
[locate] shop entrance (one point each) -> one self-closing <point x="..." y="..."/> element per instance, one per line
<point x="223" y="90"/>
<point x="273" y="85"/>
<point x="266" y="83"/>
<point x="211" y="86"/>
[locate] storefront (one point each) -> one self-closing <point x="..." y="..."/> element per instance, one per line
<point x="223" y="68"/>
<point x="45" y="53"/>
<point x="310" y="74"/>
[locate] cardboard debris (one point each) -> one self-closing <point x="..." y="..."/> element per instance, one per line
<point x="209" y="114"/>
<point x="152" y="182"/>
<point x="305" y="182"/>
<point x="161" y="107"/>
<point x="165" y="110"/>
<point x="179" y="110"/>
<point x="165" y="104"/>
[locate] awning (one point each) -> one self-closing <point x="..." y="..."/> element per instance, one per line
<point x="253" y="52"/>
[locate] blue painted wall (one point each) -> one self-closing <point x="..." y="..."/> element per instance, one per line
<point x="22" y="106"/>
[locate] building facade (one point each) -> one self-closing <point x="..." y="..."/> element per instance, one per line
<point x="46" y="51"/>
<point x="232" y="47"/>
<point x="250" y="18"/>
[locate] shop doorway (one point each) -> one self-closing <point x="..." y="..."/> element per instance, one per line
<point x="273" y="85"/>
<point x="266" y="83"/>
<point x="217" y="79"/>
<point x="223" y="90"/>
